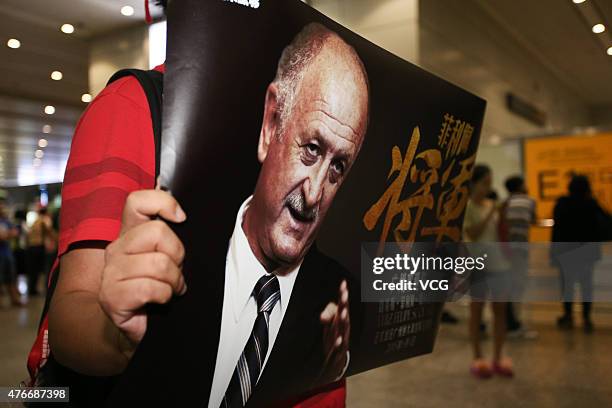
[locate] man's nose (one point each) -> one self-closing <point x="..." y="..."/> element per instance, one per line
<point x="314" y="185"/>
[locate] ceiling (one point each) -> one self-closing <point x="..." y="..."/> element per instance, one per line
<point x="556" y="31"/>
<point x="25" y="83"/>
<point x="90" y="17"/>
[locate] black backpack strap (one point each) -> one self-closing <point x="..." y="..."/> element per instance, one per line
<point x="152" y="82"/>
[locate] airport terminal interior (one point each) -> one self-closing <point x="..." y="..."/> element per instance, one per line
<point x="545" y="70"/>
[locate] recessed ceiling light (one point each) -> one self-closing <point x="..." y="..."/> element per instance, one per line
<point x="127" y="11"/>
<point x="495" y="139"/>
<point x="599" y="28"/>
<point x="42" y="143"/>
<point x="39" y="154"/>
<point x="49" y="110"/>
<point x="67" y="28"/>
<point x="609" y="51"/>
<point x="13" y="43"/>
<point x="86" y="98"/>
<point x="57" y="75"/>
<point x="47" y="129"/>
<point x="36" y="162"/>
<point x="579" y="1"/>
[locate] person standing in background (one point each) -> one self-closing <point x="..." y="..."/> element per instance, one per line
<point x="517" y="216"/>
<point x="20" y="242"/>
<point x="480" y="229"/>
<point x="580" y="223"/>
<point x="40" y="232"/>
<point x="7" y="263"/>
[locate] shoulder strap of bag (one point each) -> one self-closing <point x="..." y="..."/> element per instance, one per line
<point x="152" y="82"/>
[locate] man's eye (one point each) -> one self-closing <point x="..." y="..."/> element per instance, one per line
<point x="338" y="167"/>
<point x="313" y="149"/>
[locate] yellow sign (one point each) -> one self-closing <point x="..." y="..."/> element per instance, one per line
<point x="550" y="163"/>
<point x="424" y="170"/>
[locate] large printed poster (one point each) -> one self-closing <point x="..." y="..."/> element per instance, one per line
<point x="291" y="142"/>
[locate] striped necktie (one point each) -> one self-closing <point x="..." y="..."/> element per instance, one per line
<point x="250" y="364"/>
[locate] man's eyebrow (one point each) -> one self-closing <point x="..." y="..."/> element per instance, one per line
<point x="341" y="154"/>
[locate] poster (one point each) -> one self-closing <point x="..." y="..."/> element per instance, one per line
<point x="550" y="163"/>
<point x="291" y="142"/>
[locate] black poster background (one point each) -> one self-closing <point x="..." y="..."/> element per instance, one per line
<point x="221" y="58"/>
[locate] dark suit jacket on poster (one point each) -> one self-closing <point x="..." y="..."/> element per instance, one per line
<point x="184" y="378"/>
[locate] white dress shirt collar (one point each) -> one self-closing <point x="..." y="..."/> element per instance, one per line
<point x="247" y="270"/>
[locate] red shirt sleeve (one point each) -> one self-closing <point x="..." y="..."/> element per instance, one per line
<point x="112" y="154"/>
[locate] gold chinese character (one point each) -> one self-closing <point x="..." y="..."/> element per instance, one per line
<point x="445" y="130"/>
<point x="455" y="139"/>
<point x="452" y="201"/>
<point x="466" y="139"/>
<point x="409" y="169"/>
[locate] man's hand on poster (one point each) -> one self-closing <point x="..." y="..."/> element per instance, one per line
<point x="336" y="336"/>
<point x="144" y="264"/>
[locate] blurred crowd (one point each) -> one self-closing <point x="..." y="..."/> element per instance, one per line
<point x="579" y="222"/>
<point x="28" y="243"/>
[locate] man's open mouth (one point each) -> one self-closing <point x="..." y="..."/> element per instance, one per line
<point x="301" y="216"/>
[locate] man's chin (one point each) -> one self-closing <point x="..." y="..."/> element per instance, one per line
<point x="289" y="253"/>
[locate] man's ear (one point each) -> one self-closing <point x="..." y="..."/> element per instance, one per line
<point x="270" y="122"/>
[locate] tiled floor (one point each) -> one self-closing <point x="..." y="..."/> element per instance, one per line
<point x="17" y="333"/>
<point x="559" y="369"/>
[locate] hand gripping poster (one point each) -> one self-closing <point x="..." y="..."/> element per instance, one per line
<point x="291" y="143"/>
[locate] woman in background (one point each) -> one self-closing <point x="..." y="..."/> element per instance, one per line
<point x="38" y="236"/>
<point x="7" y="262"/>
<point x="480" y="229"/>
<point x="20" y="242"/>
<point x="580" y="223"/>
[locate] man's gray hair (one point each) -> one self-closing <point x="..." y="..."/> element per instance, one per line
<point x="293" y="63"/>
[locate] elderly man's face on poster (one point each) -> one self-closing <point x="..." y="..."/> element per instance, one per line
<point x="306" y="149"/>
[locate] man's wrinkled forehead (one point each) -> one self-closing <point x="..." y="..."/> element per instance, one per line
<point x="335" y="86"/>
<point x="325" y="124"/>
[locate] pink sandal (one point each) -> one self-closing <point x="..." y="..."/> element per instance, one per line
<point x="503" y="367"/>
<point x="481" y="369"/>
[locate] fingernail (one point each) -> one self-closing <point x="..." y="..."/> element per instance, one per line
<point x="184" y="290"/>
<point x="338" y="341"/>
<point x="180" y="214"/>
